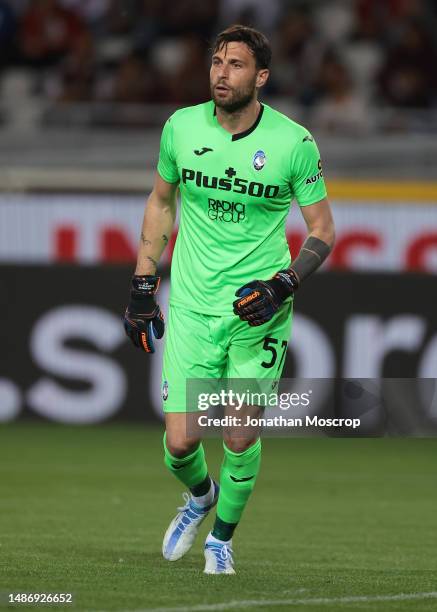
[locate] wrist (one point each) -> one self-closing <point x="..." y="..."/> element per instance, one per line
<point x="290" y="278"/>
<point x="145" y="284"/>
<point x="146" y="268"/>
<point x="142" y="295"/>
<point x="284" y="283"/>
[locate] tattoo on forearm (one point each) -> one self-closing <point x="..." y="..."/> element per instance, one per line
<point x="164" y="237"/>
<point x="144" y="240"/>
<point x="155" y="263"/>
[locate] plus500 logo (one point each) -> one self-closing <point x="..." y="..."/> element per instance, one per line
<point x="237" y="185"/>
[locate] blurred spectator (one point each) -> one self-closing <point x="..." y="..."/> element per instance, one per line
<point x="93" y="12"/>
<point x="77" y="72"/>
<point x="49" y="32"/>
<point x="169" y="18"/>
<point x="390" y="16"/>
<point x="190" y="83"/>
<point x="340" y="109"/>
<point x="403" y="10"/>
<point x="297" y="54"/>
<point x="364" y="49"/>
<point x="264" y="15"/>
<point x="335" y="20"/>
<point x="122" y="15"/>
<point x="148" y="24"/>
<point x="408" y="77"/>
<point x="370" y="21"/>
<point x="136" y="82"/>
<point x="8" y="26"/>
<point x="190" y="17"/>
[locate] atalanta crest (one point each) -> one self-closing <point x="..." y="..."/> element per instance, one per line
<point x="164" y="390"/>
<point x="259" y="160"/>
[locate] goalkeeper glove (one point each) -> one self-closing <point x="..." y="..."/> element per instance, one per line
<point x="143" y="319"/>
<point x="260" y="300"/>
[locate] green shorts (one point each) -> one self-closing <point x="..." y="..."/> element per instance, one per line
<point x="220" y="347"/>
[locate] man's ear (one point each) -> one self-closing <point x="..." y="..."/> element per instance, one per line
<point x="262" y="76"/>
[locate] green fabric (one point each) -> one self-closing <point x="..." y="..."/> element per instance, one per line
<point x="190" y="470"/>
<point x="235" y="495"/>
<point x="235" y="199"/>
<point x="199" y="346"/>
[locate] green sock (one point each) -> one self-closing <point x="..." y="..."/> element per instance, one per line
<point x="222" y="530"/>
<point x="191" y="470"/>
<point x="237" y="479"/>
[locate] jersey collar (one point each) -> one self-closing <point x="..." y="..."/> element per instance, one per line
<point x="252" y="128"/>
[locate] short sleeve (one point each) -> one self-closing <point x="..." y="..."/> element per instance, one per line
<point x="307" y="180"/>
<point x="167" y="167"/>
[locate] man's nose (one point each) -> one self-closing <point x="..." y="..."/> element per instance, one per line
<point x="223" y="72"/>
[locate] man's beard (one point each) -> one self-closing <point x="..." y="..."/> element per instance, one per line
<point x="239" y="98"/>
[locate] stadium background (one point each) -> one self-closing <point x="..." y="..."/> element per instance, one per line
<point x="85" y="87"/>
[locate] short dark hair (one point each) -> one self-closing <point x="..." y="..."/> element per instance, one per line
<point x="256" y="41"/>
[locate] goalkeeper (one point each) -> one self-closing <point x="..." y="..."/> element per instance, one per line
<point x="238" y="164"/>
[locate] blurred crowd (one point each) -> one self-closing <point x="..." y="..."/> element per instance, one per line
<point x="337" y="58"/>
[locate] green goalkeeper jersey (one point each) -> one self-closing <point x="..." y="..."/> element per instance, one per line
<point x="236" y="192"/>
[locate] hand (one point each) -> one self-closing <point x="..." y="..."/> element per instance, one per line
<point x="260" y="300"/>
<point x="143" y="318"/>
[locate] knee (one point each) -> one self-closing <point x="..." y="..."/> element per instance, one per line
<point x="238" y="445"/>
<point x="180" y="446"/>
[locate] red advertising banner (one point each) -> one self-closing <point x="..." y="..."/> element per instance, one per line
<point x="50" y="229"/>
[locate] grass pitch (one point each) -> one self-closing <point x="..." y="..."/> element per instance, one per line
<point x="333" y="524"/>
